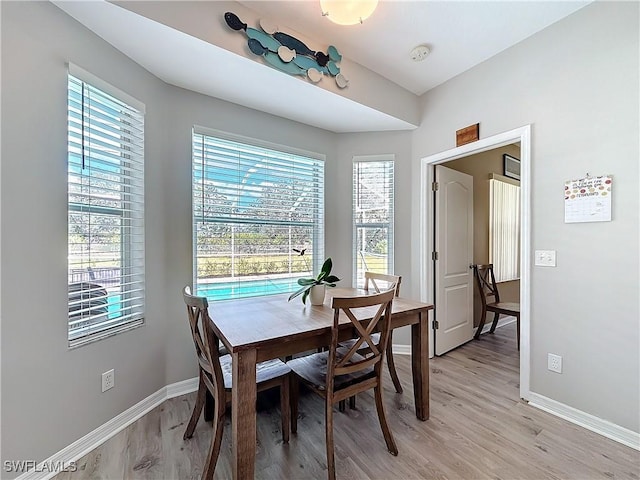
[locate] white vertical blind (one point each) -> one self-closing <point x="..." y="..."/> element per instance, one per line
<point x="258" y="218"/>
<point x="373" y="200"/>
<point x="504" y="230"/>
<point x="105" y="214"/>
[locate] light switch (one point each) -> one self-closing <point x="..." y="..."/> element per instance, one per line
<point x="545" y="258"/>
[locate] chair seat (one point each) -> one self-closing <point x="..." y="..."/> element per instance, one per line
<point x="265" y="371"/>
<point x="508" y="308"/>
<point x="313" y="369"/>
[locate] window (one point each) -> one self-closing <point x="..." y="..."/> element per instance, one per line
<point x="504" y="230"/>
<point x="258" y="218"/>
<point x="105" y="212"/>
<point x="372" y="216"/>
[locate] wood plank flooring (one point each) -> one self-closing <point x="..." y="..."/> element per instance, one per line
<point x="479" y="429"/>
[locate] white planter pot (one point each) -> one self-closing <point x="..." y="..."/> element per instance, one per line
<point x="317" y="294"/>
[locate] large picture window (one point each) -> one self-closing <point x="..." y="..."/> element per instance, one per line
<point x="258" y="218"/>
<point x="105" y="213"/>
<point x="373" y="189"/>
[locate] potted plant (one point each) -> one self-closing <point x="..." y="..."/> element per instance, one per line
<point x="315" y="287"/>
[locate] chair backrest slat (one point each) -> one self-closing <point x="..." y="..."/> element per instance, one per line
<point x="486" y="283"/>
<point x="377" y="279"/>
<point x="375" y="307"/>
<point x="205" y="342"/>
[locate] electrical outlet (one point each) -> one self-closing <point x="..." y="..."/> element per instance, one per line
<point x="108" y="380"/>
<point x="554" y="363"/>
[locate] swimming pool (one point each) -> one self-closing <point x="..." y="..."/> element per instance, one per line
<point x="226" y="291"/>
<point x="247" y="288"/>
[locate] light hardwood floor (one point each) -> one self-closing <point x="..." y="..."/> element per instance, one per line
<point x="479" y="429"/>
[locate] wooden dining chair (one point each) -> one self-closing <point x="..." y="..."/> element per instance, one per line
<point x="490" y="298"/>
<point x="379" y="282"/>
<point x="215" y="377"/>
<point x="341" y="373"/>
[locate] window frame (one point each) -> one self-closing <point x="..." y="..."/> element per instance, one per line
<point x="318" y="225"/>
<point x="92" y="136"/>
<point x="357" y="280"/>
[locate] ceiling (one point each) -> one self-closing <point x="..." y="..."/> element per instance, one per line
<point x="459" y="34"/>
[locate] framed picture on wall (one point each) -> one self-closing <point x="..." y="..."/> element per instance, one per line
<point x="511" y="167"/>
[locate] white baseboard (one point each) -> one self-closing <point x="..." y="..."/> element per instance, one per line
<point x="104" y="432"/>
<point x="586" y="420"/>
<point x="501" y="323"/>
<point x="182" y="388"/>
<point x="402" y="349"/>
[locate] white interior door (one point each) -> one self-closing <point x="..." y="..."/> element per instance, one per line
<point x="454" y="247"/>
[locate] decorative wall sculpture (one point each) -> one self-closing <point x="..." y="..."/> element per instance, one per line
<point x="288" y="54"/>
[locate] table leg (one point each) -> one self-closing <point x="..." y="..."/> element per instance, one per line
<point x="420" y="365"/>
<point x="243" y="414"/>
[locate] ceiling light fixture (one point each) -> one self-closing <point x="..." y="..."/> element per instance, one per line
<point x="347" y="12"/>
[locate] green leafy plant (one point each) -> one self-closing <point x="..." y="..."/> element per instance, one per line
<point x="323" y="278"/>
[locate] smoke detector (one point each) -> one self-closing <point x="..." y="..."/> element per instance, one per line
<point x="419" y="53"/>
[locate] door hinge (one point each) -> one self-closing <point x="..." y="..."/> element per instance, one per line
<point x="436" y="325"/>
<point x="434" y="255"/>
<point x="435" y="186"/>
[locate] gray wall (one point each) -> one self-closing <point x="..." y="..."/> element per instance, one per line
<point x="339" y="190"/>
<point x="576" y="82"/>
<point x="51" y="395"/>
<point x="161" y="352"/>
<point x="365" y="84"/>
<point x="189" y="109"/>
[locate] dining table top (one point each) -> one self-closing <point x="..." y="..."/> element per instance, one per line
<point x="258" y="322"/>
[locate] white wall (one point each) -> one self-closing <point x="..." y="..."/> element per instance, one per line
<point x="576" y="82"/>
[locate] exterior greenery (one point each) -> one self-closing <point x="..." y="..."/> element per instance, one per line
<point x="257" y="212"/>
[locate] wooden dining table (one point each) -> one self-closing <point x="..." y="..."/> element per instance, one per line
<point x="261" y="328"/>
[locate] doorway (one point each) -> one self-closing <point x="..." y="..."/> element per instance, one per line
<point x="521" y="136"/>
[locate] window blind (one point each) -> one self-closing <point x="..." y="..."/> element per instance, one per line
<point x="504" y="230"/>
<point x="373" y="200"/>
<point x="105" y="214"/>
<point x="258" y="218"/>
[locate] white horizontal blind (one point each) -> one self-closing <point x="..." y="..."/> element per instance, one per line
<point x="106" y="214"/>
<point x="258" y="218"/>
<point x="504" y="230"/>
<point x="373" y="200"/>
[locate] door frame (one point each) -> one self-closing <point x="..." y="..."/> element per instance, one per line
<point x="523" y="136"/>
